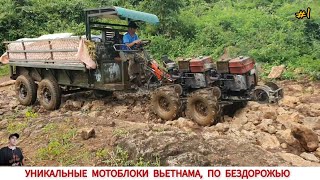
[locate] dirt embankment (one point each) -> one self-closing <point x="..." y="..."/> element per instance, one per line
<point x="128" y="133"/>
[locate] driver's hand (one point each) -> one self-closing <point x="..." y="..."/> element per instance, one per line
<point x="137" y="41"/>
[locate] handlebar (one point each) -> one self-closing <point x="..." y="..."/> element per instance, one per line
<point x="118" y="47"/>
<point x="128" y="49"/>
<point x="145" y="42"/>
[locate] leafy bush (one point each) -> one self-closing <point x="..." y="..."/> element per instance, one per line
<point x="4" y="70"/>
<point x="266" y="30"/>
<point x="30" y="114"/>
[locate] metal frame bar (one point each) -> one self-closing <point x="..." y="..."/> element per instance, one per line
<point x="39" y="40"/>
<point x="53" y="74"/>
<point x="42" y="51"/>
<point x="62" y="61"/>
<point x="88" y="29"/>
<point x="119" y="45"/>
<point x="108" y="24"/>
<point x="101" y="14"/>
<point x="100" y="9"/>
<point x="24" y="48"/>
<point x="68" y="75"/>
<point x="50" y="46"/>
<point x="36" y="70"/>
<point x="102" y="29"/>
<point x="79" y="67"/>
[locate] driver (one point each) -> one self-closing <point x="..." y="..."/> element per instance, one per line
<point x="130" y="38"/>
<point x="132" y="41"/>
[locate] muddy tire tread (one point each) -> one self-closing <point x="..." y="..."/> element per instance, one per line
<point x="174" y="99"/>
<point x="206" y="96"/>
<point x="55" y="93"/>
<point x="31" y="88"/>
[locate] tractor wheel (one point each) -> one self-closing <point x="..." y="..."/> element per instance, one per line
<point x="274" y="87"/>
<point x="165" y="103"/>
<point x="49" y="94"/>
<point x="26" y="90"/>
<point x="102" y="94"/>
<point x="202" y="107"/>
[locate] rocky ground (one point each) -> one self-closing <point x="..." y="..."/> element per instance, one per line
<point x="121" y="130"/>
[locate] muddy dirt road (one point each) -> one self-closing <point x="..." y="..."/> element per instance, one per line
<point x="128" y="133"/>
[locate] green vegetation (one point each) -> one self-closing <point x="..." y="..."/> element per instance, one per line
<point x="120" y="157"/>
<point x="59" y="147"/>
<point x="266" y="30"/>
<point x="16" y="127"/>
<point x="30" y="113"/>
<point x="63" y="140"/>
<point x="4" y="70"/>
<point x="120" y="132"/>
<point x="49" y="127"/>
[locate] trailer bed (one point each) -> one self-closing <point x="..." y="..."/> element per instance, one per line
<point x="62" y="53"/>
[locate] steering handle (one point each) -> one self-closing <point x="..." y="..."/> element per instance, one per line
<point x="145" y="42"/>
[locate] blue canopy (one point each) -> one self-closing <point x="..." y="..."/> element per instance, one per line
<point x="137" y="15"/>
<point x="122" y="13"/>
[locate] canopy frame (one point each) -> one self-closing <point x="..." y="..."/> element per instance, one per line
<point x="115" y="13"/>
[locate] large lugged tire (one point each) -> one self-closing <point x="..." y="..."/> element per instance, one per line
<point x="26" y="90"/>
<point x="202" y="107"/>
<point x="49" y="94"/>
<point x="165" y="103"/>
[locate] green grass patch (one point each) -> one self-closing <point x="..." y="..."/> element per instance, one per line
<point x="30" y="114"/>
<point x="4" y="70"/>
<point x="120" y="132"/>
<point x="60" y="146"/>
<point x="49" y="128"/>
<point x="16" y="127"/>
<point x="120" y="157"/>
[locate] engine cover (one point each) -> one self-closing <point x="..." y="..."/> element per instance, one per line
<point x="239" y="83"/>
<point x="196" y="80"/>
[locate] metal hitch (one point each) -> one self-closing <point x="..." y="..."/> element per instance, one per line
<point x="268" y="93"/>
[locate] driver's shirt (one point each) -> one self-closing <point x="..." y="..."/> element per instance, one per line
<point x="127" y="39"/>
<point x="11" y="157"/>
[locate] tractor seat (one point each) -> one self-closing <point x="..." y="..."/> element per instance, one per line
<point x="118" y="39"/>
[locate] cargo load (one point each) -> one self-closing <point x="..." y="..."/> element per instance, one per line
<point x="53" y="49"/>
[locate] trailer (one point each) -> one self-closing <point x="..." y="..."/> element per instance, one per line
<point x="44" y="69"/>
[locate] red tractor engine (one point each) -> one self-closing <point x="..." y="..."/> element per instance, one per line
<point x="202" y="89"/>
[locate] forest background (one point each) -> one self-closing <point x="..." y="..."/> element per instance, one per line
<point x="266" y="30"/>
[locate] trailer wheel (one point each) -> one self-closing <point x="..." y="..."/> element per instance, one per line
<point x="49" y="94"/>
<point x="101" y="93"/>
<point x="26" y="90"/>
<point x="202" y="107"/>
<point x="165" y="103"/>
